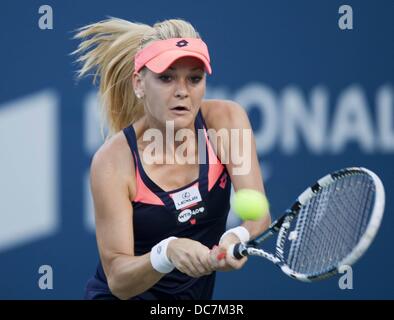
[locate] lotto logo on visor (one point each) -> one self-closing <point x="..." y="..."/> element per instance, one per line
<point x="182" y="43"/>
<point x="159" y="55"/>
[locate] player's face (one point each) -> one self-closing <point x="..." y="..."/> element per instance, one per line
<point x="175" y="94"/>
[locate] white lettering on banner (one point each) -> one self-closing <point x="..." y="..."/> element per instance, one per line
<point x="263" y="97"/>
<point x="286" y="119"/>
<point x="385" y="117"/>
<point x="352" y="122"/>
<point x="307" y="122"/>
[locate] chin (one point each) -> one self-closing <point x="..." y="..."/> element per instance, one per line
<point x="181" y="121"/>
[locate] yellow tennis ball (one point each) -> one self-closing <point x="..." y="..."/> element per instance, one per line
<point x="250" y="204"/>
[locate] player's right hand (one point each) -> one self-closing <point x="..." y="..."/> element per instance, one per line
<point x="224" y="260"/>
<point x="190" y="257"/>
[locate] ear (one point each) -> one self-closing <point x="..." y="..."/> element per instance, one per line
<point x="138" y="84"/>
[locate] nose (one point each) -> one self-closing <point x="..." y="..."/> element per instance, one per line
<point x="181" y="89"/>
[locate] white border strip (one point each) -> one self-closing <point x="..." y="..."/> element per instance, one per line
<point x="305" y="196"/>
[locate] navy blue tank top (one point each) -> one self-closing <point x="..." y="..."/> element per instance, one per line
<point x="197" y="211"/>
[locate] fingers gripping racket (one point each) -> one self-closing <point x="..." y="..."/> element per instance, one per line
<point x="332" y="223"/>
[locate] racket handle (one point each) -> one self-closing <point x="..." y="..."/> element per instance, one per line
<point x="238" y="251"/>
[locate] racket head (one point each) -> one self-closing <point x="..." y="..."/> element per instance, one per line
<point x="331" y="224"/>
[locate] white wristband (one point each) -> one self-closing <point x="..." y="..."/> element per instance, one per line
<point x="241" y="232"/>
<point x="158" y="256"/>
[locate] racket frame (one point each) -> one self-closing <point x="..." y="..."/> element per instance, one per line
<point x="281" y="227"/>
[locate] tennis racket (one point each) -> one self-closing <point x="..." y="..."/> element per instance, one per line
<point x="331" y="224"/>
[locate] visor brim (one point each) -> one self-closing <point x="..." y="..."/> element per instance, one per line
<point x="161" y="62"/>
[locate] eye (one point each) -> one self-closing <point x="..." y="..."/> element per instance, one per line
<point x="196" y="79"/>
<point x="165" y="78"/>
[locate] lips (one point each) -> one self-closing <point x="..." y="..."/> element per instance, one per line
<point x="180" y="108"/>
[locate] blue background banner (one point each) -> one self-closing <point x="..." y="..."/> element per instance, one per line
<point x="319" y="99"/>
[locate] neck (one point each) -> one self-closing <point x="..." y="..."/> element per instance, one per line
<point x="171" y="144"/>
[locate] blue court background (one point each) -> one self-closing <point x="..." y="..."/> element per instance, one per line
<point x="267" y="53"/>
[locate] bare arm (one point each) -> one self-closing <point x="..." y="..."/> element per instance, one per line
<point x="244" y="170"/>
<point x="111" y="171"/>
<point x="230" y="115"/>
<point x="250" y="176"/>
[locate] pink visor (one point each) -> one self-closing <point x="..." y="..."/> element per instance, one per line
<point x="159" y="55"/>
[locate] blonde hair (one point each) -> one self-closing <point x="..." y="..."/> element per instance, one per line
<point x="108" y="48"/>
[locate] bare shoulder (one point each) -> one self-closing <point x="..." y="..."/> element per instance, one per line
<point x="223" y="113"/>
<point x="113" y="161"/>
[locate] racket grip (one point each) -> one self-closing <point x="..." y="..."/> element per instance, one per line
<point x="238" y="251"/>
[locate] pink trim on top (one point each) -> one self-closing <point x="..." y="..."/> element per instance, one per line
<point x="215" y="168"/>
<point x="143" y="193"/>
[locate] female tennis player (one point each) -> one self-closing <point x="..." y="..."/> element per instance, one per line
<point x="161" y="225"/>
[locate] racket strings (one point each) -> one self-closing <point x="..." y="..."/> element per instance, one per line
<point x="336" y="244"/>
<point x="330" y="225"/>
<point x="306" y="232"/>
<point x="341" y="240"/>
